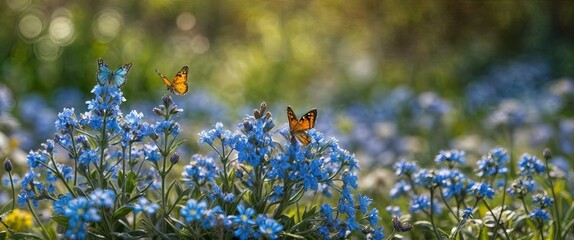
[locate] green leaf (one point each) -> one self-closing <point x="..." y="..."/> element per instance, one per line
<point x="60" y="220"/>
<point x="132" y="235"/>
<point x="131" y="182"/>
<point x="6" y="209"/>
<point x="423" y="225"/>
<point x="178" y="189"/>
<point x="3" y="235"/>
<point x="80" y="192"/>
<point x="121" y="212"/>
<point x="309" y="213"/>
<point x="291" y="235"/>
<point x="24" y="236"/>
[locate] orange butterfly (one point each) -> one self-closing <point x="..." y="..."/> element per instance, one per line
<point x="297" y="128"/>
<point x="179" y="85"/>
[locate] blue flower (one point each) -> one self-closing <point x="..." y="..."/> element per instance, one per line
<point x="364" y="203"/>
<point x="211" y="217"/>
<point x="539" y="213"/>
<point x="521" y="186"/>
<point x="244" y="215"/>
<point x="404" y="167"/>
<point x="481" y="190"/>
<point x="218" y="132"/>
<point x="350" y="179"/>
<point x="29" y="178"/>
<point x="426" y="178"/>
<point x="193" y="211"/>
<point x="452" y="182"/>
<point x="88" y="156"/>
<point x="495" y="162"/>
<point x="61" y="204"/>
<point x="35" y="158"/>
<point x="167" y="126"/>
<point x="144" y="205"/>
<point x="277" y="193"/>
<point x="467" y="213"/>
<point x="400" y="188"/>
<point x="419" y="203"/>
<point x="25" y="196"/>
<point x="529" y="164"/>
<point x="373" y="217"/>
<point x="394" y="210"/>
<point x="81" y="210"/>
<point x="77" y="231"/>
<point x="243" y="232"/>
<point x="269" y="227"/>
<point x="542" y="200"/>
<point x="200" y="169"/>
<point x="327" y="211"/>
<point x="66" y="120"/>
<point x="450" y="157"/>
<point x="151" y="153"/>
<point x="377" y="234"/>
<point x="103" y="198"/>
<point x="66" y="171"/>
<point x="324" y="232"/>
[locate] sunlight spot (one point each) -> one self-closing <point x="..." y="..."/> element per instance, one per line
<point x="185" y="21"/>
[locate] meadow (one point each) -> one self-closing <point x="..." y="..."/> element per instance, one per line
<point x="286" y="120"/>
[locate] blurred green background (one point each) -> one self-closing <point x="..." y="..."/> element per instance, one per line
<point x="332" y="55"/>
<point x="305" y="53"/>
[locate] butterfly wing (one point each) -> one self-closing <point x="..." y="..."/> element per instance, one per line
<point x="120" y="75"/>
<point x="298" y="127"/>
<point x="165" y="81"/>
<point x="104" y="73"/>
<point x="292" y="118"/>
<point x="180" y="81"/>
<point x="306" y="122"/>
<point x="302" y="137"/>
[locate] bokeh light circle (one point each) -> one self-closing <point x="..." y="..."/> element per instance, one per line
<point x="30" y="26"/>
<point x="46" y="50"/>
<point x="199" y="44"/>
<point x="185" y="21"/>
<point x="107" y="25"/>
<point x="18" y="5"/>
<point x="62" y="30"/>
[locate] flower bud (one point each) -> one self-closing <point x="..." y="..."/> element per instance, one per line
<point x="256" y="114"/>
<point x="547" y="153"/>
<point x="8" y="165"/>
<point x="247" y="126"/>
<point x="263" y="107"/>
<point x="167" y="101"/>
<point x="175" y="111"/>
<point x="174" y="158"/>
<point x="154" y="136"/>
<point x="157" y="111"/>
<point x="49" y="145"/>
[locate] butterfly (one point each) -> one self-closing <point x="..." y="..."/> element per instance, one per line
<point x="179" y="83"/>
<point x="118" y="77"/>
<point x="297" y="128"/>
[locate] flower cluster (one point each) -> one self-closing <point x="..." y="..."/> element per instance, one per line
<point x="110" y="175"/>
<point x="432" y="191"/>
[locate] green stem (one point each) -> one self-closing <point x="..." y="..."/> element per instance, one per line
<point x="498" y="222"/>
<point x="13" y="191"/>
<point x="557" y="226"/>
<point x="432" y="213"/>
<point x="540" y="229"/>
<point x="44" y="231"/>
<point x="103" y="146"/>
